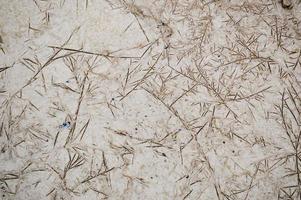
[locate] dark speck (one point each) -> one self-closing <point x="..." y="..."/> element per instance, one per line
<point x="136" y="129"/>
<point x="224" y="142"/>
<point x="187" y="176"/>
<point x="65" y="125"/>
<point x="113" y="99"/>
<point x="233" y="151"/>
<point x="163" y="154"/>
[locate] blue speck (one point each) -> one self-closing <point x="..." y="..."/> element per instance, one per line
<point x="65" y="125"/>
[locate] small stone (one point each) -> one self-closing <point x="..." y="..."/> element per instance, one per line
<point x="287" y="4"/>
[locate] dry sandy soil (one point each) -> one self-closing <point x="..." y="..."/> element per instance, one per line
<point x="150" y="99"/>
